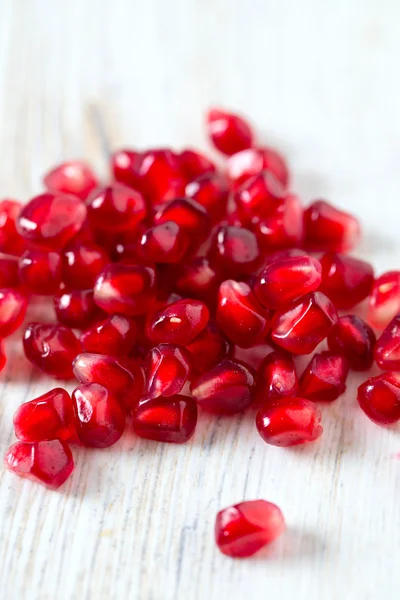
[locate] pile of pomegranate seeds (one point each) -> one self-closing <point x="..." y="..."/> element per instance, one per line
<point x="162" y="279"/>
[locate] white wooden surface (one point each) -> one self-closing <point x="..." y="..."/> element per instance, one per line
<point x="319" y="79"/>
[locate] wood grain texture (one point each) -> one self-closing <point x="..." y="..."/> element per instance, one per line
<point x="322" y="82"/>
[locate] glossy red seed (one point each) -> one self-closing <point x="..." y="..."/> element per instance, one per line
<point x="161" y="178"/>
<point x="51" y="348"/>
<point x="197" y="278"/>
<point x="235" y="251"/>
<point x="47" y="417"/>
<point x="50" y="220"/>
<point x="76" y="308"/>
<point x="259" y="197"/>
<point x="194" y="165"/>
<point x="13" y="305"/>
<point x="163" y="243"/>
<point x="40" y="271"/>
<point x="329" y="228"/>
<point x="276" y="377"/>
<point x="167" y="370"/>
<point x="99" y="417"/>
<point x="178" y="323"/>
<point x="355" y="340"/>
<point x="10" y="240"/>
<point x="229" y="132"/>
<point x="9" y="276"/>
<point x="125" y="167"/>
<point x="278" y="255"/>
<point x="82" y="263"/>
<point x="387" y="349"/>
<point x="72" y="177"/>
<point x="379" y="398"/>
<point x="170" y="419"/>
<point x="115" y="336"/>
<point x="300" y="327"/>
<point x="250" y="162"/>
<point x="283" y="229"/>
<point x="116" y="208"/>
<point x="384" y="303"/>
<point x="291" y="422"/>
<point x="225" y="389"/>
<point x="324" y="378"/>
<point x="189" y="215"/>
<point x="210" y="191"/>
<point x="208" y="348"/>
<point x="243" y="529"/>
<point x="345" y="280"/>
<point x="47" y="462"/>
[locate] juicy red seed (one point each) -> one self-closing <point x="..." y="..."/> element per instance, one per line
<point x="225" y="389"/>
<point x="284" y="229"/>
<point x="302" y="326"/>
<point x="76" y="308"/>
<point x="324" y="378"/>
<point x="9" y="277"/>
<point x="46" y="462"/>
<point x="47" y="417"/>
<point x="243" y="529"/>
<point x="125" y="167"/>
<point x="40" y="271"/>
<point x="121" y="376"/>
<point x="250" y="162"/>
<point x="167" y="370"/>
<point x="345" y="280"/>
<point x="208" y="348"/>
<point x="286" y="280"/>
<point x="235" y="251"/>
<point x="194" y="165"/>
<point x="10" y="240"/>
<point x="170" y="419"/>
<point x="125" y="289"/>
<point x="387" y="349"/>
<point x="115" y="336"/>
<point x="384" y="303"/>
<point x="178" y="323"/>
<point x="99" y="418"/>
<point x="51" y="219"/>
<point x="82" y="263"/>
<point x="379" y="398"/>
<point x="276" y="377"/>
<point x="73" y="177"/>
<point x="189" y="215"/>
<point x="116" y="208"/>
<point x="163" y="243"/>
<point x="240" y="316"/>
<point x="13" y="305"/>
<point x="329" y="228"/>
<point x="161" y="178"/>
<point x="355" y="340"/>
<point x="291" y="422"/>
<point x="259" y="197"/>
<point x="51" y="348"/>
<point x="229" y="132"/>
<point x="210" y="191"/>
<point x="197" y="278"/>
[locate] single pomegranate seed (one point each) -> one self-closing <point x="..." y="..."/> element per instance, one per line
<point x="125" y="167"/>
<point x="283" y="229"/>
<point x="82" y="263"/>
<point x="125" y="289"/>
<point x="210" y="191"/>
<point x="51" y="219"/>
<point x="235" y="251"/>
<point x="189" y="215"/>
<point x="355" y="340"/>
<point x="115" y="336"/>
<point x="163" y="243"/>
<point x="48" y="417"/>
<point x="99" y="418"/>
<point x="345" y="280"/>
<point x="291" y="422"/>
<point x="121" y="376"/>
<point x="178" y="323"/>
<point x="302" y="326"/>
<point x="47" y="462"/>
<point x="40" y="271"/>
<point x="161" y="178"/>
<point x="379" y="398"/>
<point x="324" y="378"/>
<point x="229" y="132"/>
<point x="197" y="278"/>
<point x="10" y="240"/>
<point x="208" y="348"/>
<point x="286" y="280"/>
<point x="276" y="377"/>
<point x="167" y="370"/>
<point x="329" y="228"/>
<point x="243" y="529"/>
<point x="13" y="305"/>
<point x="194" y="165"/>
<point x="116" y="208"/>
<point x="259" y="197"/>
<point x="225" y="389"/>
<point x="250" y="162"/>
<point x="73" y="177"/>
<point x="170" y="419"/>
<point x="9" y="277"/>
<point x="384" y="303"/>
<point x="76" y="308"/>
<point x="242" y="319"/>
<point x="387" y="349"/>
<point x="51" y="348"/>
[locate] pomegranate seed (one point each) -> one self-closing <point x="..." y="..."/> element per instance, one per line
<point x="10" y="240"/>
<point x="76" y="308"/>
<point x="259" y="197"/>
<point x="9" y="277"/>
<point x="167" y="370"/>
<point x="250" y="162"/>
<point x="51" y="348"/>
<point x="46" y="462"/>
<point x="13" y="305"/>
<point x="116" y="208"/>
<point x="291" y="422"/>
<point x="329" y="228"/>
<point x="286" y="280"/>
<point x="229" y="132"/>
<point x="40" y="271"/>
<point x="384" y="303"/>
<point x="194" y="165"/>
<point x="125" y="289"/>
<point x="345" y="280"/>
<point x="302" y="326"/>
<point x="82" y="263"/>
<point x="178" y="323"/>
<point x="100" y="420"/>
<point x="324" y="378"/>
<point x="160" y="175"/>
<point x="115" y="336"/>
<point x="225" y="389"/>
<point x="163" y="243"/>
<point x="387" y="349"/>
<point x="51" y="219"/>
<point x="198" y="279"/>
<point x="379" y="398"/>
<point x="208" y="348"/>
<point x="243" y="529"/>
<point x="242" y="319"/>
<point x="355" y="340"/>
<point x="210" y="191"/>
<point x="125" y="167"/>
<point x="73" y="177"/>
<point x="48" y="417"/>
<point x="278" y="255"/>
<point x="276" y="377"/>
<point x="282" y="229"/>
<point x="170" y="419"/>
<point x="235" y="251"/>
<point x="189" y="215"/>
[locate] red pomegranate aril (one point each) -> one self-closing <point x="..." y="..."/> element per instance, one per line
<point x="189" y="215"/>
<point x="125" y="289"/>
<point x="250" y="162"/>
<point x="355" y="340"/>
<point x="259" y="197"/>
<point x="243" y="529"/>
<point x="163" y="243"/>
<point x="300" y="327"/>
<point x="210" y="191"/>
<point x="286" y="280"/>
<point x="125" y="167"/>
<point x="229" y="132"/>
<point x="13" y="305"/>
<point x="208" y="348"/>
<point x="170" y="419"/>
<point x="178" y="323"/>
<point x="99" y="418"/>
<point x="51" y="348"/>
<point x="283" y="229"/>
<point x="167" y="370"/>
<point x="9" y="276"/>
<point x="115" y="336"/>
<point x="10" y="240"/>
<point x="291" y="422"/>
<point x="278" y="255"/>
<point x="328" y="228"/>
<point x="240" y="316"/>
<point x="47" y="462"/>
<point x="379" y="398"/>
<point x="276" y="378"/>
<point x="345" y="280"/>
<point x="48" y="417"/>
<point x="82" y="263"/>
<point x="72" y="177"/>
<point x="40" y="271"/>
<point x="116" y="208"/>
<point x="235" y="251"/>
<point x="225" y="389"/>
<point x="194" y="165"/>
<point x="50" y="220"/>
<point x="387" y="349"/>
<point x="197" y="278"/>
<point x="161" y="178"/>
<point x="324" y="378"/>
<point x="384" y="303"/>
<point x="76" y="308"/>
